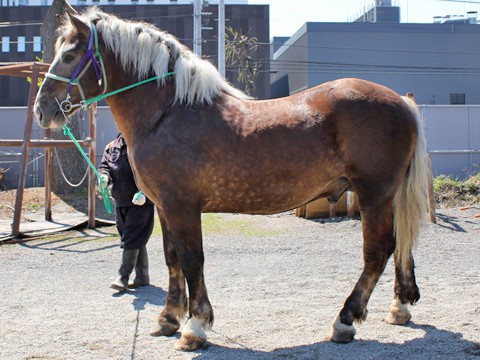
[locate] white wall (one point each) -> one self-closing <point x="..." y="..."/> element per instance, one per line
<point x="453" y="136"/>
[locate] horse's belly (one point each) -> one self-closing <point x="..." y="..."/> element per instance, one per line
<point x="269" y="197"/>
<point x="252" y="204"/>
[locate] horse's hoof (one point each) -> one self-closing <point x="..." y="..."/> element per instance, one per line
<point x="189" y="343"/>
<point x="342" y="333"/>
<point x="165" y="329"/>
<point x="399" y="313"/>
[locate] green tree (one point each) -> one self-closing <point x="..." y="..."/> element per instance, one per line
<point x="239" y="53"/>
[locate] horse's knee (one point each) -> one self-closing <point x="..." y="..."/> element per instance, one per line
<point x="399" y="313"/>
<point x="342" y="333"/>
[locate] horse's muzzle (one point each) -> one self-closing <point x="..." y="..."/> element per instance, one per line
<point x="48" y="114"/>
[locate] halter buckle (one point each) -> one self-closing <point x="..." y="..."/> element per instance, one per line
<point x="66" y="105"/>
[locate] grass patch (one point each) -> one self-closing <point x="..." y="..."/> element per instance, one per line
<point x="157" y="228"/>
<point x="69" y="238"/>
<point x="217" y="224"/>
<point x="34" y="206"/>
<point x="452" y="192"/>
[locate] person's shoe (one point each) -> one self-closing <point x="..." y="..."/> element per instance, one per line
<point x="142" y="277"/>
<point x="118" y="284"/>
<point x="129" y="260"/>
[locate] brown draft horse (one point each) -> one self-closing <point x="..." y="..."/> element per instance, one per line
<point x="198" y="145"/>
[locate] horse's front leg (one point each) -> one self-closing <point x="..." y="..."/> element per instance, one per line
<point x="378" y="245"/>
<point x="177" y="303"/>
<point x="406" y="292"/>
<point x="184" y="225"/>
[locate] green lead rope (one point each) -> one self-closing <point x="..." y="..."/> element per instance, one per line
<point x="104" y="190"/>
<point x="87" y="103"/>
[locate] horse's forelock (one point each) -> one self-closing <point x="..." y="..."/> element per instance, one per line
<point x="58" y="44"/>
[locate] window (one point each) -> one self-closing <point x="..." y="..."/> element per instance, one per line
<point x="37" y="44"/>
<point x="5" y="43"/>
<point x="457" y="99"/>
<point x="21" y="44"/>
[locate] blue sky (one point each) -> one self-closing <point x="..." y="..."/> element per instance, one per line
<point x="286" y="16"/>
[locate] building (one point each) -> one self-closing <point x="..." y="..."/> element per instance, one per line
<point x="21" y="41"/>
<point x="6" y="3"/>
<point x="380" y="11"/>
<point x="438" y="62"/>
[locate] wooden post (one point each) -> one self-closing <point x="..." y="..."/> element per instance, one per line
<point x="431" y="194"/>
<point x="301" y="211"/>
<point x="26" y="144"/>
<point x="333" y="210"/>
<point x="91" y="174"/>
<point x="48" y="180"/>
<point x="350" y="203"/>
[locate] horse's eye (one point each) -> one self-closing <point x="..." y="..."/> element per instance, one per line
<point x="68" y="58"/>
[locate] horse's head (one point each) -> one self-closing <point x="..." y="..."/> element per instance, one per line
<point x="75" y="75"/>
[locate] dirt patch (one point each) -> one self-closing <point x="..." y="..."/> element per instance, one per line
<point x="34" y="201"/>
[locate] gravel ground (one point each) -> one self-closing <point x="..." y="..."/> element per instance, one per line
<point x="276" y="283"/>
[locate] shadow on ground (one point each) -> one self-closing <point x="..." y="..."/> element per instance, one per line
<point x="435" y="344"/>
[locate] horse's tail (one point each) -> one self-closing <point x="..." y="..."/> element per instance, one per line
<point x="410" y="205"/>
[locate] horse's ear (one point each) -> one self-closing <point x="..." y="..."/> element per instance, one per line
<point x="78" y="23"/>
<point x="62" y="19"/>
<point x="69" y="8"/>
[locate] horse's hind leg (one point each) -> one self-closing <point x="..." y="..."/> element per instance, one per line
<point x="378" y="245"/>
<point x="176" y="304"/>
<point x="406" y="292"/>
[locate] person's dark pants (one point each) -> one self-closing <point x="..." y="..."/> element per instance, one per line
<point x="135" y="225"/>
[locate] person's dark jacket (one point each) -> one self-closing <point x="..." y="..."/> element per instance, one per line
<point x="116" y="166"/>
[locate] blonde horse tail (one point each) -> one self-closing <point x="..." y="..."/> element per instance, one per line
<point x="411" y="205"/>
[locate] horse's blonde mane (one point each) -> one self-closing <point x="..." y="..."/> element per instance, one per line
<point x="142" y="48"/>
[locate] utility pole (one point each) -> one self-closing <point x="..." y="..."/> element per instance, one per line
<point x="197" y="27"/>
<point x="221" y="37"/>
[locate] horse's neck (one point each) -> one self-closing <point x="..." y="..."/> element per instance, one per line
<point x="137" y="110"/>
